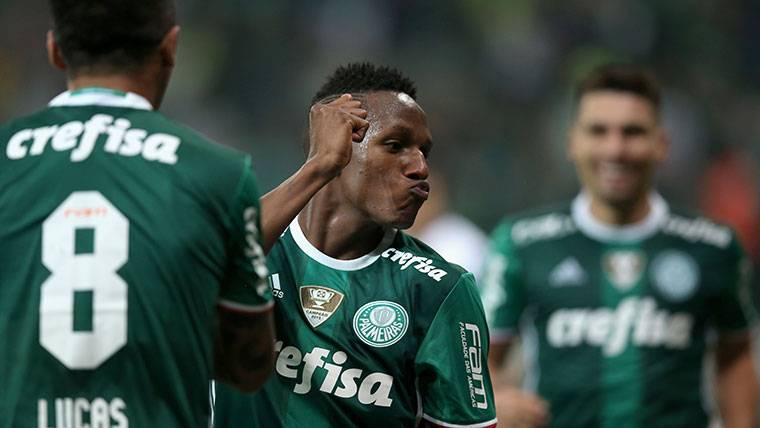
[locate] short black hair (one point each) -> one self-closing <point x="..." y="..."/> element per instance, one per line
<point x="621" y="77"/>
<point x="362" y="77"/>
<point x="105" y="36"/>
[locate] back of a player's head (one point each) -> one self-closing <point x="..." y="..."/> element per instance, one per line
<point x="619" y="77"/>
<point x="110" y="36"/>
<point x="364" y="77"/>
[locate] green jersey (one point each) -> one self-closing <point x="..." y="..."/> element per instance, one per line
<point x="615" y="321"/>
<point x="385" y="340"/>
<point x="121" y="230"/>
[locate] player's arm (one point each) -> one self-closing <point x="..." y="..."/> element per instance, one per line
<point x="244" y="336"/>
<point x="332" y="128"/>
<point x="243" y="348"/>
<point x="504" y="301"/>
<point x="736" y="378"/>
<point x="452" y="362"/>
<point x="736" y="382"/>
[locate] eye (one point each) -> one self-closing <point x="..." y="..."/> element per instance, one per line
<point x="394" y="145"/>
<point x="596" y="130"/>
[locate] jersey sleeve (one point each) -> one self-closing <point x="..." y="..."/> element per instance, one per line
<point x="734" y="311"/>
<point x="245" y="287"/>
<point x="501" y="290"/>
<point x="451" y="363"/>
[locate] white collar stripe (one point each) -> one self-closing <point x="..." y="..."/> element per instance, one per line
<point x="590" y="226"/>
<point x="337" y="264"/>
<point x="100" y="97"/>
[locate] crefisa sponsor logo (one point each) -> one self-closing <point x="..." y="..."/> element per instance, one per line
<point x="472" y="351"/>
<point x="373" y="388"/>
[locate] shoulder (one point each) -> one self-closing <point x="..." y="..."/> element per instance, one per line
<point x="696" y="229"/>
<point x="423" y="263"/>
<point x="534" y="226"/>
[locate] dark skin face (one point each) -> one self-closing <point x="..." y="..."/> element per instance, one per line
<point x="385" y="181"/>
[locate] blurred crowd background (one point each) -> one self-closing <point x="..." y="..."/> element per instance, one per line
<point x="495" y="78"/>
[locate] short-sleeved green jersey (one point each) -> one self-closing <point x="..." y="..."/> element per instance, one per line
<point x="121" y="231"/>
<point x="615" y="321"/>
<point x="384" y="340"/>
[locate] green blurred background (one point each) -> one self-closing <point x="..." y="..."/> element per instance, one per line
<point x="494" y="76"/>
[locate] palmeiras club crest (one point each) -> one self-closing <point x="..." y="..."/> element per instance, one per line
<point x="319" y="303"/>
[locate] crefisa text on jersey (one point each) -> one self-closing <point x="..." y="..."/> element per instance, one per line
<point x="77" y="412"/>
<point x="80" y="138"/>
<point x="375" y="388"/>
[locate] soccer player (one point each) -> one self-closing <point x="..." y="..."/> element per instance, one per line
<point x="617" y="295"/>
<point x="125" y="234"/>
<point x="374" y="329"/>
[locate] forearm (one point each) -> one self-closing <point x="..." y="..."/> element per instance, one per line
<point x="737" y="386"/>
<point x="243" y="350"/>
<point x="281" y="205"/>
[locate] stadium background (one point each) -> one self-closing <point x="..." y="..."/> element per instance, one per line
<point x="495" y="78"/>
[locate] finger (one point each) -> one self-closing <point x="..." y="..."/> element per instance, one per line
<point x="359" y="112"/>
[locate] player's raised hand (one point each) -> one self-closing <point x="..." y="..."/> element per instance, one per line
<point x="332" y="128"/>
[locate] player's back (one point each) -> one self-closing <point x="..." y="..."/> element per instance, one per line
<point x="114" y="224"/>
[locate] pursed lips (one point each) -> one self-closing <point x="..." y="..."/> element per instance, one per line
<point x="421" y="189"/>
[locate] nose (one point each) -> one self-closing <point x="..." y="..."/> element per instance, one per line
<point x="417" y="167"/>
<point x="615" y="144"/>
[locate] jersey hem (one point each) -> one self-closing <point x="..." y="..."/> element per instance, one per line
<point x="436" y="422"/>
<point x="241" y="307"/>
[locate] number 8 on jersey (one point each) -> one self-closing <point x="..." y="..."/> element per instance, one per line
<point x="94" y="271"/>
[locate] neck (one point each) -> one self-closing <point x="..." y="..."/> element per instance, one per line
<point x="336" y="229"/>
<point x="118" y="82"/>
<point x="620" y="214"/>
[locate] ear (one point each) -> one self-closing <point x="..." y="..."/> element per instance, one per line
<point x="54" y="53"/>
<point x="168" y="47"/>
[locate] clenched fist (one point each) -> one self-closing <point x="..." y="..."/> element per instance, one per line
<point x="333" y="127"/>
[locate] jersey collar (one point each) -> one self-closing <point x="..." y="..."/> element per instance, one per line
<point x="345" y="265"/>
<point x="590" y="226"/>
<point x="96" y="96"/>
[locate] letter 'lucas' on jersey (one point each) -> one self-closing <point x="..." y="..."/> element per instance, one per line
<point x="120" y="231"/>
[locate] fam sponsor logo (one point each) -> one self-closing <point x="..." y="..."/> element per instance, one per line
<point x="381" y="323"/>
<point x="635" y="320"/>
<point x="373" y="388"/>
<point x="319" y="303"/>
<point x="421" y="264"/>
<point x="253" y="250"/>
<point x="80" y="138"/>
<point x="472" y="351"/>
<point x="77" y="412"/>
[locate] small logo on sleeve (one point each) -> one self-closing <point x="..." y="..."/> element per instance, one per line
<point x="381" y="323"/>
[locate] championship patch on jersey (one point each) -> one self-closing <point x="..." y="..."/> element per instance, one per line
<point x="381" y="323"/>
<point x="319" y="303"/>
<point x="675" y="275"/>
<point x="624" y="268"/>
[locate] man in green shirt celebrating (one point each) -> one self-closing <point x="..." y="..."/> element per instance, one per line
<point x="127" y="237"/>
<point x="617" y="296"/>
<point x="374" y="328"/>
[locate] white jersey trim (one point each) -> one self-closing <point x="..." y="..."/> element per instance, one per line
<point x="492" y="422"/>
<point x="333" y="263"/>
<point x="235" y="306"/>
<point x="100" y="97"/>
<point x="590" y="226"/>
